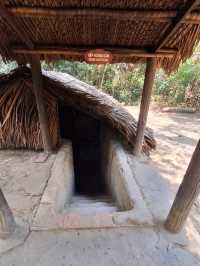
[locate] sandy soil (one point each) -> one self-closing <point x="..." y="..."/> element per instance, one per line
<point x="177" y="135"/>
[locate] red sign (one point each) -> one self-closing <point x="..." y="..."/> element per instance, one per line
<point x="98" y="56"/>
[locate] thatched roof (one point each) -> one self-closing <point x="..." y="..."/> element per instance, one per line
<point x="18" y="109"/>
<point x="131" y="30"/>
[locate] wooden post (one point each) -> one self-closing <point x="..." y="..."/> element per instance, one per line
<point x="145" y="103"/>
<point x="186" y="195"/>
<point x="7" y="222"/>
<point x="38" y="91"/>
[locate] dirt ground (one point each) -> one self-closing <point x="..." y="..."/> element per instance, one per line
<point x="177" y="135"/>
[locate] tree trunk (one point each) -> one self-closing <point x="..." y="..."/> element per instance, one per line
<point x="7" y="222"/>
<point x="145" y="103"/>
<point x="186" y="195"/>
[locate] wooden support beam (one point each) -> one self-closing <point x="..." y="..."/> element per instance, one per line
<point x="186" y="195"/>
<point x="145" y="103"/>
<point x="7" y="222"/>
<point x="142" y="15"/>
<point x="78" y="51"/>
<point x="42" y="113"/>
<point x="176" y="23"/>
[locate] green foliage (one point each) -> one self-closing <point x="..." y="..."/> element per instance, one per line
<point x="181" y="87"/>
<point x="125" y="81"/>
<point x="5" y="68"/>
<point x="122" y="81"/>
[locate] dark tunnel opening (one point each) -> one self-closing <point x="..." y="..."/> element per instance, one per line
<point x="85" y="133"/>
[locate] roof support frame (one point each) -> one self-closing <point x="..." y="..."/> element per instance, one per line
<point x="14" y="24"/>
<point x="142" y="15"/>
<point x="80" y="51"/>
<point x="176" y="23"/>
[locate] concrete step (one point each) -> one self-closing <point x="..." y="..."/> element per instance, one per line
<point x="87" y="199"/>
<point x="87" y="205"/>
<point x="92" y="210"/>
<point x="84" y="204"/>
<point x="90" y="204"/>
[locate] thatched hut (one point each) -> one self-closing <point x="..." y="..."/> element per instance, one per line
<point x="76" y="111"/>
<point x="66" y="100"/>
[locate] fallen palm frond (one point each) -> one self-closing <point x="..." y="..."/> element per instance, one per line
<point x="18" y="112"/>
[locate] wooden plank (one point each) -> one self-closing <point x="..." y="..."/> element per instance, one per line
<point x="145" y="103"/>
<point x="142" y="15"/>
<point x="42" y="113"/>
<point x="15" y="25"/>
<point x="176" y="23"/>
<point x="78" y="51"/>
<point x="7" y="222"/>
<point x="186" y="195"/>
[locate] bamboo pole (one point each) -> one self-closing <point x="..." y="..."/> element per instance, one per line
<point x="186" y="195"/>
<point x="7" y="222"/>
<point x="145" y="103"/>
<point x="42" y="114"/>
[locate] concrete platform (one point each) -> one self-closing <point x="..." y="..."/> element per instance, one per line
<point x="55" y="211"/>
<point x="121" y="247"/>
<point x="135" y="244"/>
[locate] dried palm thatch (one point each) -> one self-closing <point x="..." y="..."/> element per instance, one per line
<point x="18" y="113"/>
<point x="19" y="126"/>
<point x="66" y="29"/>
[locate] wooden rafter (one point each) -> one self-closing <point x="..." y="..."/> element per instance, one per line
<point x="150" y="15"/>
<point x="176" y="23"/>
<point x="13" y="23"/>
<point x="75" y="51"/>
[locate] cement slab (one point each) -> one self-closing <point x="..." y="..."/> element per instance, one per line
<point x="17" y="238"/>
<point x="23" y="181"/>
<point x="51" y="214"/>
<point x="123" y="247"/>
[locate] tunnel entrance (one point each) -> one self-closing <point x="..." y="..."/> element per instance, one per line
<point x="85" y="133"/>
